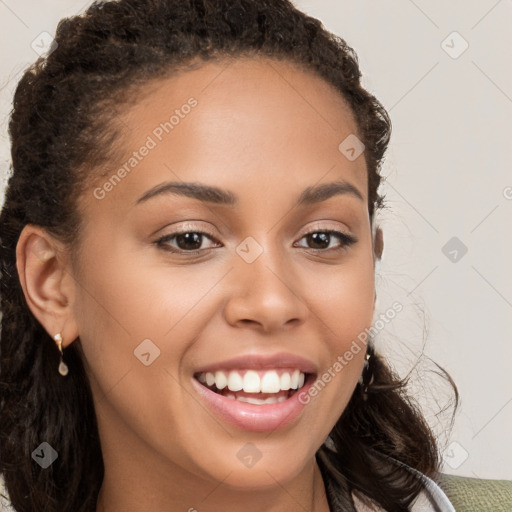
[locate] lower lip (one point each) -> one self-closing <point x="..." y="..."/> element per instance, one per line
<point x="257" y="418"/>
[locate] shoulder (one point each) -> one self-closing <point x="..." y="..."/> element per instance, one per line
<point x="431" y="499"/>
<point x="450" y="493"/>
<point x="477" y="493"/>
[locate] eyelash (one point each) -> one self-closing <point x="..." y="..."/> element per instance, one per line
<point x="347" y="240"/>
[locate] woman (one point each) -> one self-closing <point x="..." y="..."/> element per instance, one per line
<point x="188" y="254"/>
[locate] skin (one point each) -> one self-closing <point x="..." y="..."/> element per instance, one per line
<point x="266" y="131"/>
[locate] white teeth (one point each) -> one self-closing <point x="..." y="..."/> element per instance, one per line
<point x="259" y="401"/>
<point x="221" y="380"/>
<point x="253" y="381"/>
<point x="295" y="379"/>
<point x="270" y="383"/>
<point x="235" y="382"/>
<point x="210" y="379"/>
<point x="285" y="381"/>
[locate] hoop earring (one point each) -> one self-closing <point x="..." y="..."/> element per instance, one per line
<point x="63" y="367"/>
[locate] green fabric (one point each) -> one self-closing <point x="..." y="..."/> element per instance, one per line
<point x="477" y="495"/>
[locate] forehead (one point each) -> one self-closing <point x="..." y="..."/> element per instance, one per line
<point x="234" y="122"/>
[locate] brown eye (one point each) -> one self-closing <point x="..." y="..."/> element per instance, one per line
<point x="321" y="240"/>
<point x="184" y="242"/>
<point x="188" y="241"/>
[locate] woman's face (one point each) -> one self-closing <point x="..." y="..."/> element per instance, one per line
<point x="251" y="279"/>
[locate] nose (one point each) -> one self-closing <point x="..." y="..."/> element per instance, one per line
<point x="265" y="295"/>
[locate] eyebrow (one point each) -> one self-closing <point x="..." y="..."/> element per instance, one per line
<point x="215" y="195"/>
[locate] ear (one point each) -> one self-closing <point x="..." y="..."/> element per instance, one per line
<point x="378" y="248"/>
<point x="47" y="282"/>
<point x="378" y="244"/>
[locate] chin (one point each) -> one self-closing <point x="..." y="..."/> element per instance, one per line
<point x="266" y="470"/>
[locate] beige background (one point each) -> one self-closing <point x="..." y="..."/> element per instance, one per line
<point x="448" y="175"/>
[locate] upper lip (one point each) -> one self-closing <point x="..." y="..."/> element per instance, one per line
<point x="261" y="362"/>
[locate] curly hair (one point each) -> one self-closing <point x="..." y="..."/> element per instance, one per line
<point x="60" y="128"/>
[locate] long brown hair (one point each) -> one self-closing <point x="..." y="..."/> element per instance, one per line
<point x="60" y="128"/>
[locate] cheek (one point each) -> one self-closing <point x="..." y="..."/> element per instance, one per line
<point x="343" y="304"/>
<point x="343" y="297"/>
<point x="125" y="298"/>
<point x="111" y="308"/>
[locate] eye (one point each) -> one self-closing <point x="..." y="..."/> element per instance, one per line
<point x="189" y="242"/>
<point x="323" y="239"/>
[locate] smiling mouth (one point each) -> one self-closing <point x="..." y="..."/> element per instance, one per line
<point x="255" y="387"/>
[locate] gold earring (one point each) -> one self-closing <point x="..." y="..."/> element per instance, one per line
<point x="63" y="367"/>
